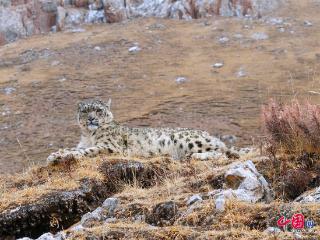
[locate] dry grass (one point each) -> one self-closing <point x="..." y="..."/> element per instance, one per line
<point x="293" y="128"/>
<point x="233" y="224"/>
<point x="293" y="140"/>
<point x="38" y="181"/>
<point x="239" y="221"/>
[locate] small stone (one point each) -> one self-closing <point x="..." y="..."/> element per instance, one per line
<point x="297" y="236"/>
<point x="55" y="63"/>
<point x="181" y="80"/>
<point x="259" y="36"/>
<point x="307" y="23"/>
<point x="110" y="204"/>
<point x="134" y="49"/>
<point x="9" y="90"/>
<point x="62" y="79"/>
<point x="272" y="230"/>
<point x="97" y="48"/>
<point x="241" y="72"/>
<point x="218" y="65"/>
<point x="194" y="199"/>
<point x="50" y="236"/>
<point x="220" y="202"/>
<point x="275" y="21"/>
<point x="223" y="40"/>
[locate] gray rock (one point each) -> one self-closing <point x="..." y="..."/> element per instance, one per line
<point x="275" y="21"/>
<point x="194" y="199"/>
<point x="241" y="72"/>
<point x="307" y="23"/>
<point x="9" y="90"/>
<point x="259" y="36"/>
<point x="272" y="230"/>
<point x="110" y="204"/>
<point x="181" y="80"/>
<point x="74" y="16"/>
<point x="88" y="218"/>
<point x="223" y="40"/>
<point x="95" y="16"/>
<point x="134" y="49"/>
<point x="11" y="24"/>
<point x="220" y="203"/>
<point x="218" y="65"/>
<point x="312" y="196"/>
<point x="48" y="236"/>
<point x="244" y="183"/>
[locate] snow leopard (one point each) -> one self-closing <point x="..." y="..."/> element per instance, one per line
<point x="100" y="133"/>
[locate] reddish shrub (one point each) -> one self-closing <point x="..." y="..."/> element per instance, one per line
<point x="294" y="128"/>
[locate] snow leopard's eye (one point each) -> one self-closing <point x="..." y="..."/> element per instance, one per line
<point x="99" y="112"/>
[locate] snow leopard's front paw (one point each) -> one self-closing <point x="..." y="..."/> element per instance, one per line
<point x="61" y="156"/>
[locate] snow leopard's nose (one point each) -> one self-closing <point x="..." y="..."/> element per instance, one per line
<point x="90" y="118"/>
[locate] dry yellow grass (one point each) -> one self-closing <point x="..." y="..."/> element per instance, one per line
<point x="179" y="181"/>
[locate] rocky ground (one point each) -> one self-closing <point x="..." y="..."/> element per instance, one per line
<point x="112" y="197"/>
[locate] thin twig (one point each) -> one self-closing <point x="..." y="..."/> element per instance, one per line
<point x="24" y="153"/>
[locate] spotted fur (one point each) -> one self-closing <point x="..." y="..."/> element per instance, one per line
<point x="101" y="134"/>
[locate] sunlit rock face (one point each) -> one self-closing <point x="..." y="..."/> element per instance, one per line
<point x="22" y="18"/>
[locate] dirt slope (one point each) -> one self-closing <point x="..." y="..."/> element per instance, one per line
<point x="43" y="77"/>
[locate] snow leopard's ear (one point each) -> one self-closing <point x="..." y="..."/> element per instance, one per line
<point x="108" y="104"/>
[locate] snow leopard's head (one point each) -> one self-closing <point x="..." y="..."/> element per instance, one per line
<point x="93" y="114"/>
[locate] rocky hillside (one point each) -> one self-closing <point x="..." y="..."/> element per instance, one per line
<point x="22" y="18"/>
<point x="110" y="197"/>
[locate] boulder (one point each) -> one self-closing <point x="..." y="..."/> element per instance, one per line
<point x="11" y="25"/>
<point x="312" y="196"/>
<point x="244" y="183"/>
<point x="95" y="16"/>
<point x="110" y="204"/>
